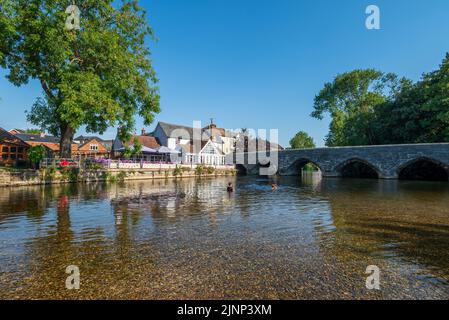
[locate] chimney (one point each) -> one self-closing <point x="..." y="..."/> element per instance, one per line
<point x="143" y="131"/>
<point x="211" y="127"/>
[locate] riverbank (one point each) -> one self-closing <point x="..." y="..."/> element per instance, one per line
<point x="18" y="177"/>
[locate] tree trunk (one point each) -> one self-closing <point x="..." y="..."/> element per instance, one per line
<point x="67" y="133"/>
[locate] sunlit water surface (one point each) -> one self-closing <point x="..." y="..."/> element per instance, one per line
<point x="190" y="239"/>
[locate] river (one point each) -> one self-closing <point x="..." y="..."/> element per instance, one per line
<point x="189" y="239"/>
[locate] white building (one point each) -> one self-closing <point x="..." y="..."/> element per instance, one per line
<point x="208" y="145"/>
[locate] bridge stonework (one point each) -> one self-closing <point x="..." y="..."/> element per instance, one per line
<point x="387" y="161"/>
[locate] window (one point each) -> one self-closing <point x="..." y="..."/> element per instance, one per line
<point x="13" y="157"/>
<point x="20" y="150"/>
<point x="20" y="157"/>
<point x="5" y="157"/>
<point x="5" y="149"/>
<point x="13" y="149"/>
<point x="94" y="147"/>
<point x="209" y="149"/>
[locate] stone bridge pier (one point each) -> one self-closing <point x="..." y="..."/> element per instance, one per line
<point x="386" y="162"/>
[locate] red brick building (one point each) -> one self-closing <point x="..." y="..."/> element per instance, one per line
<point x="12" y="149"/>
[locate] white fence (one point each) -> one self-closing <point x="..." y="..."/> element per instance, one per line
<point x="122" y="164"/>
<point x="53" y="162"/>
<point x="114" y="164"/>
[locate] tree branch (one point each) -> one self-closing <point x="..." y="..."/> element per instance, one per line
<point x="46" y="89"/>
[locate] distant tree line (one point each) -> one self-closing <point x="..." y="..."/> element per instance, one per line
<point x="369" y="107"/>
<point x="302" y="141"/>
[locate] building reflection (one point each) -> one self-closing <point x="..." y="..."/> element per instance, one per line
<point x="118" y="232"/>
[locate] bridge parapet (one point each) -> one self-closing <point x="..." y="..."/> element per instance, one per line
<point x="387" y="160"/>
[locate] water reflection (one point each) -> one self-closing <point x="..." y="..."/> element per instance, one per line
<point x="312" y="238"/>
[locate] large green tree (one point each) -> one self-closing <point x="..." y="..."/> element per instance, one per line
<point x="98" y="76"/>
<point x="420" y="113"/>
<point x="302" y="141"/>
<point x="351" y="100"/>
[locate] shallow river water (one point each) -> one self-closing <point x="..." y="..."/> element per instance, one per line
<point x="190" y="239"/>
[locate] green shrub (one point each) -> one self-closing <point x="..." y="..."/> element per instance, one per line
<point x="121" y="176"/>
<point x="36" y="154"/>
<point x="199" y="170"/>
<point x="310" y="167"/>
<point x="50" y="173"/>
<point x="109" y="177"/>
<point x="177" y="172"/>
<point x="69" y="174"/>
<point x="94" y="166"/>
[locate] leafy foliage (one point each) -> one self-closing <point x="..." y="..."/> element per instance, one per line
<point x="36" y="154"/>
<point x="420" y="114"/>
<point x="350" y="100"/>
<point x="177" y="171"/>
<point x="369" y="107"/>
<point x="134" y="150"/>
<point x="199" y="170"/>
<point x="97" y="77"/>
<point x="69" y="174"/>
<point x="33" y="131"/>
<point x="302" y="141"/>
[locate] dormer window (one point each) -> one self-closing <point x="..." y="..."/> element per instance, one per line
<point x="94" y="147"/>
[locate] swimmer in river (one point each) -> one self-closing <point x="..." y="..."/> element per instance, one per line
<point x="274" y="187"/>
<point x="230" y="187"/>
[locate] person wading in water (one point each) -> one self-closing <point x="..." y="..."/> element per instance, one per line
<point x="230" y="187"/>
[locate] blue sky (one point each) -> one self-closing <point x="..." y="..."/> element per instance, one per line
<point x="259" y="63"/>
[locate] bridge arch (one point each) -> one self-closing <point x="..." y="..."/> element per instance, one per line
<point x="296" y="167"/>
<point x="423" y="169"/>
<point x="358" y="168"/>
<point x="241" y="170"/>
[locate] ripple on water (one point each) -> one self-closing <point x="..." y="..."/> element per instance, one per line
<point x="191" y="239"/>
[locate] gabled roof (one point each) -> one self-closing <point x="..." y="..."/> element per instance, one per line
<point x="213" y="145"/>
<point x="88" y="138"/>
<point x="89" y="141"/>
<point x="192" y="148"/>
<point x="48" y="141"/>
<point x="8" y="137"/>
<point x="176" y="131"/>
<point x="146" y="141"/>
<point x="16" y="131"/>
<point x="214" y="131"/>
<point x="37" y="138"/>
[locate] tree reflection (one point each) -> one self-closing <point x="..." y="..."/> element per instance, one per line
<point x="391" y="220"/>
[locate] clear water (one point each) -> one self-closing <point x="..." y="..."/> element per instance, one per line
<point x="190" y="239"/>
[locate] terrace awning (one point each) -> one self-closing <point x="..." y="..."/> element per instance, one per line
<point x="143" y="150"/>
<point x="166" y="150"/>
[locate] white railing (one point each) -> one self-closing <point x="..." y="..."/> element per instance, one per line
<point x="53" y="162"/>
<point x="125" y="164"/>
<point x="205" y="159"/>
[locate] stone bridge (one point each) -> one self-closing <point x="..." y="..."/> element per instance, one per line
<point x="386" y="162"/>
